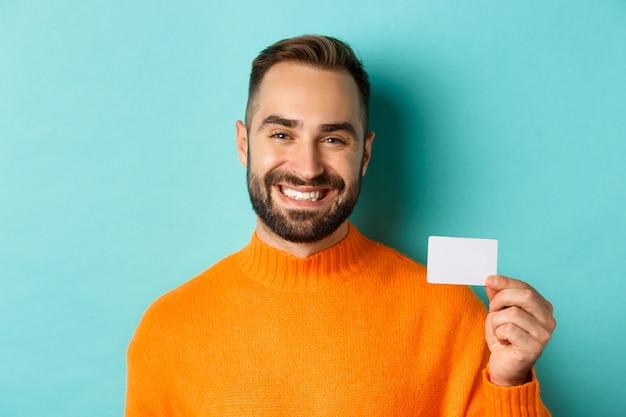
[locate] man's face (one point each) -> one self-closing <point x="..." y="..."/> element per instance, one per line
<point x="305" y="151"/>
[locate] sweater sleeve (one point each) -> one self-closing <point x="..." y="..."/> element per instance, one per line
<point x="519" y="401"/>
<point x="146" y="391"/>
<point x="464" y="315"/>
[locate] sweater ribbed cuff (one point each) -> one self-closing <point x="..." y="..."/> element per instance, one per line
<point x="517" y="401"/>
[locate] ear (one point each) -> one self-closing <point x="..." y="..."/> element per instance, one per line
<point x="242" y="142"/>
<point x="367" y="151"/>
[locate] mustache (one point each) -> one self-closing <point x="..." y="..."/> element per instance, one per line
<point x="325" y="179"/>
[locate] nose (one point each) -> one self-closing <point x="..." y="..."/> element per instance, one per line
<point x="306" y="161"/>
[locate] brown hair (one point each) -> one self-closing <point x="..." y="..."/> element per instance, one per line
<point x="320" y="51"/>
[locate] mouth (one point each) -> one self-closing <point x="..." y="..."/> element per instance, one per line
<point x="313" y="195"/>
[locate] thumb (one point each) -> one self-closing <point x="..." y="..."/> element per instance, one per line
<point x="491" y="292"/>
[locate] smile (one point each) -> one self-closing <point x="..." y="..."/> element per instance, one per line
<point x="303" y="196"/>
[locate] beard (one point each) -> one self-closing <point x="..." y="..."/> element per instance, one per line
<point x="302" y="225"/>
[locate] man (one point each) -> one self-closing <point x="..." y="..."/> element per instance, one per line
<point x="311" y="318"/>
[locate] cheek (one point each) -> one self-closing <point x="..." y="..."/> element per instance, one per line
<point x="263" y="159"/>
<point x="349" y="167"/>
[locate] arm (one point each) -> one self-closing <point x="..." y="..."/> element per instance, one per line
<point x="147" y="385"/>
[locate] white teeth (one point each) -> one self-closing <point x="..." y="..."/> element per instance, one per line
<point x="297" y="195"/>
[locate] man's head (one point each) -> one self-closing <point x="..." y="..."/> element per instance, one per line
<point x="322" y="52"/>
<point x="305" y="142"/>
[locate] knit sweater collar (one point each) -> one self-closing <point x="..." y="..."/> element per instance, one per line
<point x="282" y="271"/>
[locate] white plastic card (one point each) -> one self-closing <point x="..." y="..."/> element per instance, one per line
<point x="461" y="261"/>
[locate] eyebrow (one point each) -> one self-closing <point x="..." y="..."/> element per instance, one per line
<point x="334" y="127"/>
<point x="277" y="120"/>
<point x="291" y="123"/>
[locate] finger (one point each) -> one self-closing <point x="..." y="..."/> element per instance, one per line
<point x="527" y="299"/>
<point x="500" y="282"/>
<point x="490" y="292"/>
<point x="495" y="284"/>
<point x="524" y="321"/>
<point x="527" y="348"/>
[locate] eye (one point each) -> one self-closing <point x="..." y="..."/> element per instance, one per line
<point x="279" y="135"/>
<point x="334" y="140"/>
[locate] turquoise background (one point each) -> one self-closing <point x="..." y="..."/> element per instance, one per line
<point x="119" y="178"/>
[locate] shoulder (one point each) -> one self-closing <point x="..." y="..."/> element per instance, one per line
<point x="178" y="306"/>
<point x="409" y="277"/>
<point x="204" y="281"/>
<point x="377" y="253"/>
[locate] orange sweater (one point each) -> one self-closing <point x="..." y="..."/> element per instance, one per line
<point x="352" y="331"/>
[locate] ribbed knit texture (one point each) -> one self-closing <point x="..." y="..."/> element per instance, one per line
<point x="351" y="331"/>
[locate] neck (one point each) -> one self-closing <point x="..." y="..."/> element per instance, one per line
<point x="301" y="250"/>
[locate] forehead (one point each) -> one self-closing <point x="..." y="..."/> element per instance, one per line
<point x="307" y="93"/>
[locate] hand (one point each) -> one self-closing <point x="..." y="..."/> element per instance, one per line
<point x="518" y="327"/>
